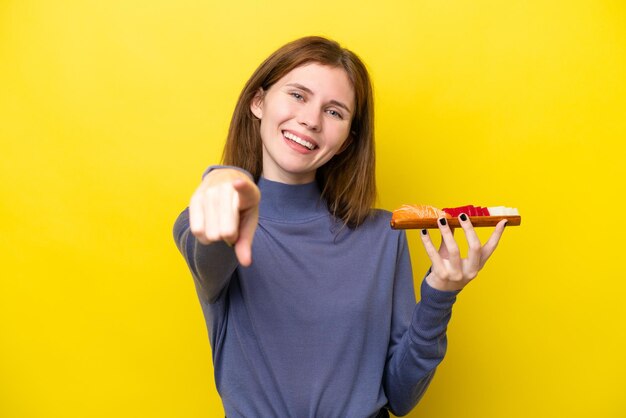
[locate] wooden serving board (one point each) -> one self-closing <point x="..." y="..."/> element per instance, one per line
<point x="477" y="221"/>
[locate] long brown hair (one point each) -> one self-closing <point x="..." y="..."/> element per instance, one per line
<point x="347" y="181"/>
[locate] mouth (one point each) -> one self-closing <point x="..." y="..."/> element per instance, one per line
<point x="295" y="138"/>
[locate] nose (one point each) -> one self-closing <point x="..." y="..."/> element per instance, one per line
<point x="310" y="117"/>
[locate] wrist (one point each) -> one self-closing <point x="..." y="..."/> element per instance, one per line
<point x="442" y="285"/>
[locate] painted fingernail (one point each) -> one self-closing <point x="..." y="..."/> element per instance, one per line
<point x="442" y="221"/>
<point x="424" y="232"/>
<point x="463" y="217"/>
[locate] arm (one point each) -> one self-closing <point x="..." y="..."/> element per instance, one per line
<point x="211" y="265"/>
<point x="418" y="337"/>
<point x="413" y="360"/>
<point x="215" y="233"/>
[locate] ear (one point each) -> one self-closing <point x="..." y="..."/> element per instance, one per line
<point x="256" y="105"/>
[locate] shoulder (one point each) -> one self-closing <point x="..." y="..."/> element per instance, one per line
<point x="379" y="222"/>
<point x="378" y="218"/>
<point x="378" y="235"/>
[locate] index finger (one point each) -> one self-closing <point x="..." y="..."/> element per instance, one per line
<point x="454" y="254"/>
<point x="473" y="242"/>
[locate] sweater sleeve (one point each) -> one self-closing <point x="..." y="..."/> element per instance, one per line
<point x="211" y="265"/>
<point x="418" y="336"/>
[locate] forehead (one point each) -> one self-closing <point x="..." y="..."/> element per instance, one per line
<point x="331" y="83"/>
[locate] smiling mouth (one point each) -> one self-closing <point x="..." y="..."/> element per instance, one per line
<point x="299" y="140"/>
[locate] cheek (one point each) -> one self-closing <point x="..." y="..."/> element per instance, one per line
<point x="279" y="111"/>
<point x="341" y="136"/>
<point x="271" y="122"/>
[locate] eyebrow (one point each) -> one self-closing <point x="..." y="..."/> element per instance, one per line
<point x="308" y="90"/>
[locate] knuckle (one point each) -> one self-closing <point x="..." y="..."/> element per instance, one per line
<point x="456" y="277"/>
<point x="208" y="193"/>
<point x="196" y="230"/>
<point x="196" y="198"/>
<point x="212" y="235"/>
<point x="472" y="255"/>
<point x="228" y="234"/>
<point x="443" y="275"/>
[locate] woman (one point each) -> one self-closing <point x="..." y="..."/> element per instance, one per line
<point x="323" y="322"/>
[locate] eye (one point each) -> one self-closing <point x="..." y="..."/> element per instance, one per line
<point x="296" y="95"/>
<point x="334" y="113"/>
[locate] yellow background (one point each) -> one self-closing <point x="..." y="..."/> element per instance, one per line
<point x="110" y="111"/>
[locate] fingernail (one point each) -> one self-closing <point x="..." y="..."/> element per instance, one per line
<point x="463" y="217"/>
<point x="424" y="232"/>
<point x="442" y="221"/>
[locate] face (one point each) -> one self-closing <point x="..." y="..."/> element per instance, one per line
<point x="305" y="120"/>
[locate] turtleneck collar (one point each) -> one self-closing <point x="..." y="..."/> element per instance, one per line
<point x="290" y="202"/>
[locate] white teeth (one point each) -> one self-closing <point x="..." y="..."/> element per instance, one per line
<point x="299" y="140"/>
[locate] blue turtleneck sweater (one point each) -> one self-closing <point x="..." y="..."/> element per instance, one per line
<point x="324" y="322"/>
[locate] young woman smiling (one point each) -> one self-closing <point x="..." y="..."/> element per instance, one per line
<point x="323" y="322"/>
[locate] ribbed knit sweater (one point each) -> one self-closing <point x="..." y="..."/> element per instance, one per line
<point x="324" y="323"/>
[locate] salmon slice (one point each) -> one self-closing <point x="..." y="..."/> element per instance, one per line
<point x="418" y="211"/>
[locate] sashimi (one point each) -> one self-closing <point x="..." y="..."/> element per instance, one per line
<point x="419" y="211"/>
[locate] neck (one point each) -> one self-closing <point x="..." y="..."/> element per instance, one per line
<point x="289" y="178"/>
<point x="290" y="202"/>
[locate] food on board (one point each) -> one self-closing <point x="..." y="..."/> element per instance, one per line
<point x="426" y="216"/>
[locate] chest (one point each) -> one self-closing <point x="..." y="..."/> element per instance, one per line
<point x="310" y="274"/>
